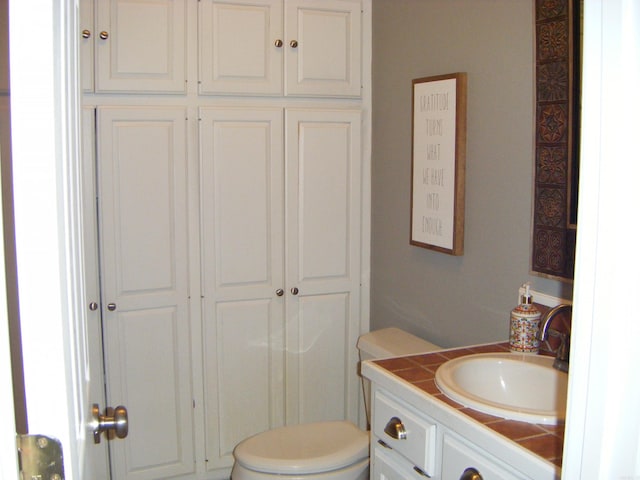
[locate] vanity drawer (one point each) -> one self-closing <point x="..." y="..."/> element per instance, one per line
<point x="406" y="431"/>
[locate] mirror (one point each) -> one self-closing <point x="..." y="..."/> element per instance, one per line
<point x="557" y="132"/>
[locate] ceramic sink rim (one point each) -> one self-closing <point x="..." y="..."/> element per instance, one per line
<point x="513" y="386"/>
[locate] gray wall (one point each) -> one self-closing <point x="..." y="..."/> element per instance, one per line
<point x="455" y="300"/>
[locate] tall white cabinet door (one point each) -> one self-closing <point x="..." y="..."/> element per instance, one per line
<point x="140" y="45"/>
<point x="143" y="232"/>
<point x="241" y="47"/>
<point x="242" y="221"/>
<point x="323" y="47"/>
<point x="323" y="211"/>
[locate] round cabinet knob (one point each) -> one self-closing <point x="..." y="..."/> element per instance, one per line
<point x="293" y="44"/>
<point x="278" y="43"/>
<point x="104" y="35"/>
<point x="471" y="474"/>
<point x="86" y="33"/>
<point x="111" y="307"/>
<point x="93" y="306"/>
<point x="279" y="292"/>
<point x="295" y="290"/>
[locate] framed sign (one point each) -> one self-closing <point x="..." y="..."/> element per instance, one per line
<point x="438" y="162"/>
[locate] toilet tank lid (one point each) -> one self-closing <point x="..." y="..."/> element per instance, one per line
<point x="393" y="342"/>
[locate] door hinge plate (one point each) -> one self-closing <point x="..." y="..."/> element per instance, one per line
<point x="40" y="458"/>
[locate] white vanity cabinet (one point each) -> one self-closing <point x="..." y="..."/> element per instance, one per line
<point x="416" y="436"/>
<point x="275" y="47"/>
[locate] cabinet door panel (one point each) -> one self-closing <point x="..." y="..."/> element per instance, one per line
<point x="145" y="48"/>
<point x="143" y="232"/>
<point x="237" y="46"/>
<point x="243" y="243"/>
<point x="327" y="58"/>
<point x="323" y="166"/>
<point x="87" y="38"/>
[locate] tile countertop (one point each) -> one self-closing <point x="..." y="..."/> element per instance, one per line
<point x="545" y="441"/>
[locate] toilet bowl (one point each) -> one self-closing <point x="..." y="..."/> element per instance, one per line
<point x="335" y="450"/>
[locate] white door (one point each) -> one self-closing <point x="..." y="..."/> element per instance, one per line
<point x="97" y="462"/>
<point x="140" y="45"/>
<point x="145" y="297"/>
<point x="241" y="47"/>
<point x="323" y="47"/>
<point x="243" y="278"/>
<point x="323" y="211"/>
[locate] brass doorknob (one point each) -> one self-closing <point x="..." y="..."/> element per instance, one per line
<point x="278" y="43"/>
<point x="104" y="35"/>
<point x="115" y="422"/>
<point x="86" y="33"/>
<point x="293" y="44"/>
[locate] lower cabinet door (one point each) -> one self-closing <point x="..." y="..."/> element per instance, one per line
<point x="458" y="456"/>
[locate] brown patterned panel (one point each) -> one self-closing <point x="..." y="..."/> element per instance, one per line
<point x="553" y="241"/>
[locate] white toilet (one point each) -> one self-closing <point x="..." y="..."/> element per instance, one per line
<point x="325" y="450"/>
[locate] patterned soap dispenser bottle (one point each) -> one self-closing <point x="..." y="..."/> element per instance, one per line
<point x="525" y="325"/>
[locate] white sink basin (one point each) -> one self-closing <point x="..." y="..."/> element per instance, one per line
<point x="508" y="385"/>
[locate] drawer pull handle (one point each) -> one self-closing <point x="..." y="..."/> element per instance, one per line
<point x="384" y="444"/>
<point x="421" y="472"/>
<point x="395" y="429"/>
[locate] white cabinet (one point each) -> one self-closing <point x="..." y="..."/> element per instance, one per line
<point x="407" y="443"/>
<point x="134" y="45"/>
<point x="281" y="269"/>
<point x="275" y="47"/>
<point x="234" y="229"/>
<point x="145" y="287"/>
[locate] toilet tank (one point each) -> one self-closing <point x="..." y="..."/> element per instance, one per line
<point x="386" y="343"/>
<point x="392" y="342"/>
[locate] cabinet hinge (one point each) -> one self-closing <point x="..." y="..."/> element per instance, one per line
<point x="40" y="458"/>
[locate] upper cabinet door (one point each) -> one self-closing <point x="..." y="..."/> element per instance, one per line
<point x="247" y="47"/>
<point x="141" y="46"/>
<point x="87" y="36"/>
<point x="323" y="48"/>
<point x="241" y="47"/>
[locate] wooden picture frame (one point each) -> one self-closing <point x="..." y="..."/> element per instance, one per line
<point x="439" y="131"/>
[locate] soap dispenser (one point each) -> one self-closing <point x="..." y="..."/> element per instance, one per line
<point x="525" y="325"/>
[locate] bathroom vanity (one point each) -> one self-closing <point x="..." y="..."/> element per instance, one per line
<point x="417" y="432"/>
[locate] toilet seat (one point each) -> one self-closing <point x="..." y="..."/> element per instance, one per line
<point x="304" y="449"/>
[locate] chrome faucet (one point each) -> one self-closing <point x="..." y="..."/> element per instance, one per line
<point x="562" y="353"/>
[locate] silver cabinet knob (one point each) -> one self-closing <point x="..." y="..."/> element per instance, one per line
<point x="86" y="33"/>
<point x="115" y="422"/>
<point x="295" y="290"/>
<point x="293" y="44"/>
<point x="471" y="474"/>
<point x="278" y="43"/>
<point x="111" y="307"/>
<point x="93" y="306"/>
<point x="104" y="35"/>
<point x="279" y="292"/>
